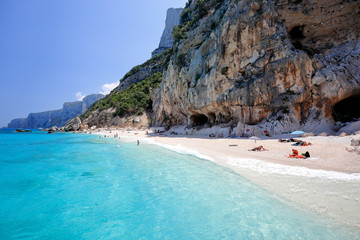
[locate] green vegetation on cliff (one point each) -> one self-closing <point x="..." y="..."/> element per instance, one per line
<point x="136" y="97"/>
<point x="160" y="60"/>
<point x="191" y="16"/>
<point x="133" y="100"/>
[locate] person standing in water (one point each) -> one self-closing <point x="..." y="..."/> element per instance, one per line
<point x="138" y="142"/>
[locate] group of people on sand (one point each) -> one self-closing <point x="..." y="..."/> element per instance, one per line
<point x="295" y="153"/>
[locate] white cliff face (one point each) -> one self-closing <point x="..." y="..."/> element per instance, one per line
<point x="57" y="117"/>
<point x="172" y="20"/>
<point x="263" y="63"/>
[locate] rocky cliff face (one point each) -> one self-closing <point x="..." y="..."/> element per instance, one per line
<point x="18" y="123"/>
<point x="172" y="20"/>
<point x="57" y="117"/>
<point x="276" y="65"/>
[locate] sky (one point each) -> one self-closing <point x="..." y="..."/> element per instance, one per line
<point x="59" y="51"/>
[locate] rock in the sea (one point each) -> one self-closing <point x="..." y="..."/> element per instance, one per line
<point x="73" y="125"/>
<point x="54" y="129"/>
<point x="25" y="130"/>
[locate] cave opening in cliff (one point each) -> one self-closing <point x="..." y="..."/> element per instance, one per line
<point x="347" y="110"/>
<point x="296" y="34"/>
<point x="198" y="119"/>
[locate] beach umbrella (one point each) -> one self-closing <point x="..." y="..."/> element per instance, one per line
<point x="297" y="133"/>
<point x="255" y="138"/>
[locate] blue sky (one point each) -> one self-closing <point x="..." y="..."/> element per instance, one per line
<point x="52" y="52"/>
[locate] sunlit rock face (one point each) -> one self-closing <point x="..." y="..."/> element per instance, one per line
<point x="280" y="65"/>
<point x="172" y="20"/>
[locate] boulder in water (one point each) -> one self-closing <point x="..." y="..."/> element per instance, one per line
<point x="20" y="130"/>
<point x="73" y="125"/>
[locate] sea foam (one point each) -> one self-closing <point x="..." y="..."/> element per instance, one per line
<point x="180" y="149"/>
<point x="273" y="168"/>
<point x="264" y="167"/>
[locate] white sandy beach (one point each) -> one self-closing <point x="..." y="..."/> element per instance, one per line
<point x="327" y="183"/>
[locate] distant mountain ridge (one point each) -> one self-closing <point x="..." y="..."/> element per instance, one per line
<point x="57" y="118"/>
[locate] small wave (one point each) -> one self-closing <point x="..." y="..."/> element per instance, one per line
<point x="263" y="167"/>
<point x="273" y="168"/>
<point x="180" y="149"/>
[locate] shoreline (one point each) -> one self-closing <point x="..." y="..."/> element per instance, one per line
<point x="328" y="153"/>
<point x="322" y="184"/>
<point x="263" y="166"/>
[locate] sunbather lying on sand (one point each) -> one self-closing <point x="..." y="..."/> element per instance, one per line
<point x="296" y="154"/>
<point x="259" y="148"/>
<point x="301" y="143"/>
<point x="289" y="140"/>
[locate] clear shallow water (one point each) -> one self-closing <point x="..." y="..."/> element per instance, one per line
<point x="72" y="186"/>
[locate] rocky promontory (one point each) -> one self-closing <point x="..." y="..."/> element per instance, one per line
<point x="57" y="117"/>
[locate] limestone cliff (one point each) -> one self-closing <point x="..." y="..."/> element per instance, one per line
<point x="57" y="117"/>
<point x="172" y="20"/>
<point x="276" y="65"/>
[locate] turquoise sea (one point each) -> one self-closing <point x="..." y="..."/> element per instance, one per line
<point x="76" y="186"/>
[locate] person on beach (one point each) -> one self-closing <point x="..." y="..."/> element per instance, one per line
<point x="245" y="133"/>
<point x="301" y="143"/>
<point x="306" y="154"/>
<point x="295" y="154"/>
<point x="138" y="142"/>
<point x="267" y="133"/>
<point x="260" y="148"/>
